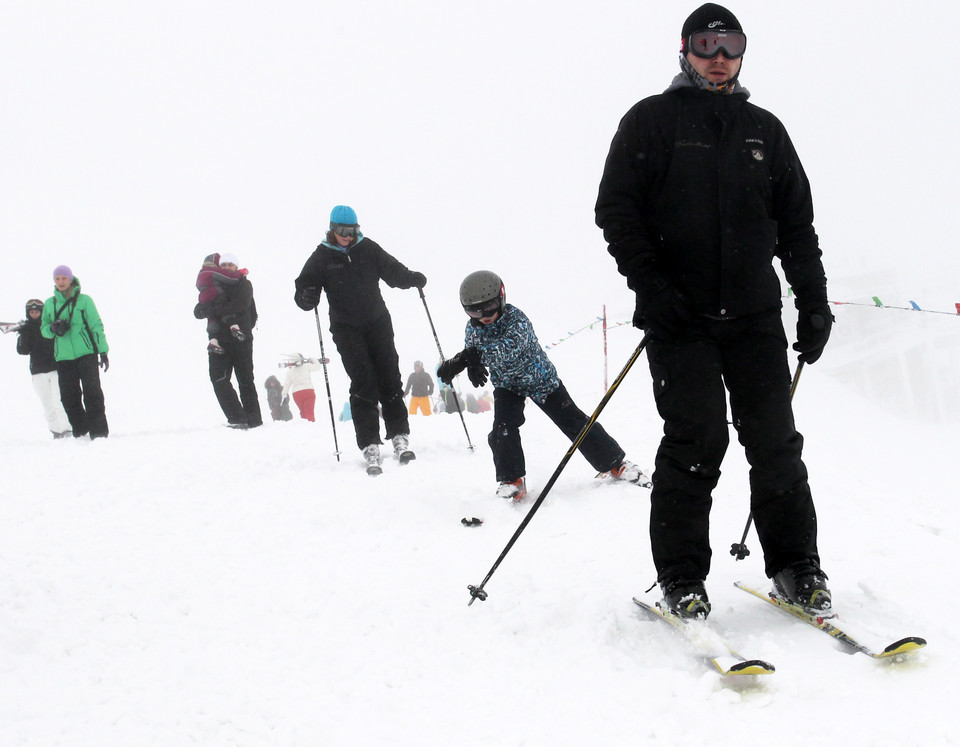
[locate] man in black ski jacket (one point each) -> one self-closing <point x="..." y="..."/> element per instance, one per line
<point x="349" y="267"/>
<point x="700" y="191"/>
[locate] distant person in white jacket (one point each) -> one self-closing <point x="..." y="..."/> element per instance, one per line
<point x="299" y="385"/>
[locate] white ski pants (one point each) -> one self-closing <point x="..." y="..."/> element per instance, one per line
<point x="47" y="387"/>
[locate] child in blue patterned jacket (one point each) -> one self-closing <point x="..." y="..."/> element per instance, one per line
<point x="500" y="337"/>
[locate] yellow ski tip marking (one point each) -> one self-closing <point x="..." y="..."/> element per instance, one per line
<point x="903" y="646"/>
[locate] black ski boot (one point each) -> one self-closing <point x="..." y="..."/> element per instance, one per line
<point x="804" y="584"/>
<point x="686" y="598"/>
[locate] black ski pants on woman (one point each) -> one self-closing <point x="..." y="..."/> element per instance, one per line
<point x="370" y="359"/>
<point x="82" y="397"/>
<point x="691" y="376"/>
<point x="597" y="447"/>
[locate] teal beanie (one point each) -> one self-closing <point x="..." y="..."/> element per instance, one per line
<point x="343" y="215"/>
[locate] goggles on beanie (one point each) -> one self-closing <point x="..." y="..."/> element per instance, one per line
<point x="708" y="44"/>
<point x="34" y="305"/>
<point x="347" y="232"/>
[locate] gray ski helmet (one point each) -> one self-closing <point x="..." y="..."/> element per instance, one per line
<point x="479" y="288"/>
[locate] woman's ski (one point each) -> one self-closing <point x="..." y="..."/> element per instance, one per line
<point x="826" y="624"/>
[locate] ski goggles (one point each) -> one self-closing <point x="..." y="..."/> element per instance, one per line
<point x="708" y="44"/>
<point x="347" y="232"/>
<point x="34" y="305"/>
<point x="487" y="309"/>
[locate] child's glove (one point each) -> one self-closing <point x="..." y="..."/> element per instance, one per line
<point x="468" y="357"/>
<point x="477" y="373"/>
<point x="237" y="334"/>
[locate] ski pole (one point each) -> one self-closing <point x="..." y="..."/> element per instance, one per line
<point x="326" y="378"/>
<point x="477" y="592"/>
<point x="436" y="339"/>
<point x="739" y="549"/>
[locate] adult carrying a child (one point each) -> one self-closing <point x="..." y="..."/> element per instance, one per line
<point x="236" y="311"/>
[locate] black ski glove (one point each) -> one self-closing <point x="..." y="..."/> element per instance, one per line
<point x="466" y="358"/>
<point x="237" y="333"/>
<point x="307" y="298"/>
<point x="417" y="280"/>
<point x="104" y="362"/>
<point x="813" y="330"/>
<point x="661" y="309"/>
<point x="477" y="373"/>
<point x="60" y="327"/>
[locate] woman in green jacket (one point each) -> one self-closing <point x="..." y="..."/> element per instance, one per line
<point x="71" y="320"/>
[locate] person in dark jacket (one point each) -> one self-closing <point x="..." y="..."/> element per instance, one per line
<point x="236" y="310"/>
<point x="419" y="387"/>
<point x="279" y="405"/>
<point x="349" y="267"/>
<point x="43" y="369"/>
<point x="70" y="318"/>
<point x="700" y="191"/>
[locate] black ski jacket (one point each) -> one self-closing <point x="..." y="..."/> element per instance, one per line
<point x="39" y="348"/>
<point x="420" y="383"/>
<point x="236" y="305"/>
<point x="703" y="190"/>
<point x="351" y="280"/>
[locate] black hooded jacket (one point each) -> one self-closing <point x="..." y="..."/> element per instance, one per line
<point x="704" y="189"/>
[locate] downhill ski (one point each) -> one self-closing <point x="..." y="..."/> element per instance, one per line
<point x="707" y="643"/>
<point x="825" y="623"/>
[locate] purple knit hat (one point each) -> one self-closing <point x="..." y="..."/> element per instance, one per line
<point x="63" y="270"/>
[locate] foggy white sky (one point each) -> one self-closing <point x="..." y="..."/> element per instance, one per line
<point x="138" y="137"/>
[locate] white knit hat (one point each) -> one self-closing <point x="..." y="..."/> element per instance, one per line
<point x="229" y="258"/>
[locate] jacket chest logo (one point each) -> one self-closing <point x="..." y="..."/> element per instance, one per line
<point x="756" y="147"/>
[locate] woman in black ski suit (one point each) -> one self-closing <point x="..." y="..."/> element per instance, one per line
<point x="349" y="267"/>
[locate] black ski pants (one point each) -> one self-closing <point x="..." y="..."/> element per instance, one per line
<point x="747" y="357"/>
<point x="370" y="359"/>
<point x="597" y="447"/>
<point x="82" y="397"/>
<point x="237" y="358"/>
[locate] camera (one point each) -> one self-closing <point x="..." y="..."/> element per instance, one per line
<point x="60" y="327"/>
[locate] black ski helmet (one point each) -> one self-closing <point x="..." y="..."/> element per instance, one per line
<point x="480" y="288"/>
<point x="34" y="304"/>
